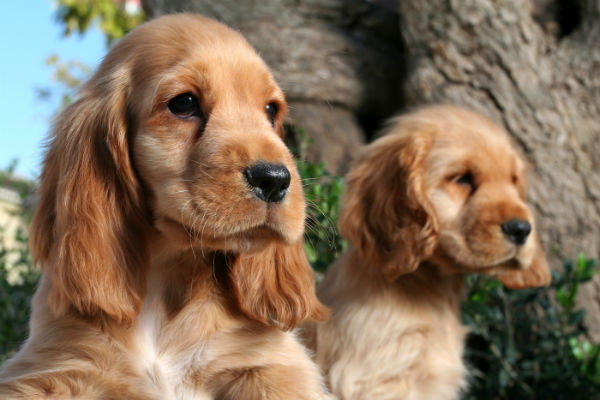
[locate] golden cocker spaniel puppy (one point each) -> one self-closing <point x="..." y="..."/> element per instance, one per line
<point x="442" y="194"/>
<point x="169" y="231"/>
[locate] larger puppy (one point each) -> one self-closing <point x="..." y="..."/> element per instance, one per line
<point x="169" y="230"/>
<point x="442" y="194"/>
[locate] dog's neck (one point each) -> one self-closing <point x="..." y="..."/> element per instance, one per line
<point x="429" y="286"/>
<point x="178" y="278"/>
<point x="186" y="301"/>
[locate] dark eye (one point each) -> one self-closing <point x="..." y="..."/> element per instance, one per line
<point x="185" y="106"/>
<point x="466" y="180"/>
<point x="272" y="109"/>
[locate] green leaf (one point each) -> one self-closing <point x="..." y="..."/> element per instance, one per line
<point x="310" y="252"/>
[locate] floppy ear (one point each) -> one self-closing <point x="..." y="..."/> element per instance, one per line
<point x="276" y="286"/>
<point x="88" y="228"/>
<point x="386" y="213"/>
<point x="538" y="273"/>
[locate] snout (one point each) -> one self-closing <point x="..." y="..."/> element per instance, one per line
<point x="269" y="182"/>
<point x="516" y="230"/>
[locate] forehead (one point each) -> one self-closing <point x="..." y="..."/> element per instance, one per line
<point x="476" y="146"/>
<point x="180" y="53"/>
<point x="218" y="76"/>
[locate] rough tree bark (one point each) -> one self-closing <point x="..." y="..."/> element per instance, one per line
<point x="543" y="88"/>
<point x="532" y="66"/>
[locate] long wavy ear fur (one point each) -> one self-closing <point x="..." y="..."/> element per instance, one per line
<point x="88" y="229"/>
<point x="276" y="286"/>
<point x="386" y="213"/>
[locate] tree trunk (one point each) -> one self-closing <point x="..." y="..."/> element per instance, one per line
<point x="543" y="86"/>
<point x="532" y="66"/>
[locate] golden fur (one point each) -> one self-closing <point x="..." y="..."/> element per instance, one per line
<point x="423" y="206"/>
<point x="164" y="276"/>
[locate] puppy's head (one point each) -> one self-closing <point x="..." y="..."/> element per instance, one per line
<point x="179" y="131"/>
<point x="444" y="184"/>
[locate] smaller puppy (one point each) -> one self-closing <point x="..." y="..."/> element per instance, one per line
<point x="442" y="194"/>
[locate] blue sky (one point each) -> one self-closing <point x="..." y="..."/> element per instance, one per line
<point x="28" y="36"/>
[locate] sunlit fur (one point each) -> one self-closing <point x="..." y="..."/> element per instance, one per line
<point x="395" y="330"/>
<point x="164" y="277"/>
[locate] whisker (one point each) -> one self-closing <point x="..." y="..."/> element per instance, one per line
<point x="312" y="178"/>
<point x="201" y="170"/>
<point x="198" y="162"/>
<point x="190" y="237"/>
<point x="329" y="229"/>
<point x="202" y="232"/>
<point x="310" y="241"/>
<point x="213" y="272"/>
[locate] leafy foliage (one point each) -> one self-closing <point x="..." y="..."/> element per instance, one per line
<point x="113" y="20"/>
<point x="323" y="193"/>
<point x="8" y="180"/>
<point x="68" y="76"/>
<point x="112" y="16"/>
<point x="15" y="296"/>
<point x="18" y="278"/>
<point x="531" y="343"/>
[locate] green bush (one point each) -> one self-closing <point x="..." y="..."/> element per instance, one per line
<point x="531" y="343"/>
<point x="323" y="193"/>
<point x="111" y="16"/>
<point x="18" y="278"/>
<point x="15" y="295"/>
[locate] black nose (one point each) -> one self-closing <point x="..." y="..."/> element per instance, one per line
<point x="516" y="230"/>
<point x="269" y="182"/>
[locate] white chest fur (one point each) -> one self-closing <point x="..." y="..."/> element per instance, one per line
<point x="167" y="359"/>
